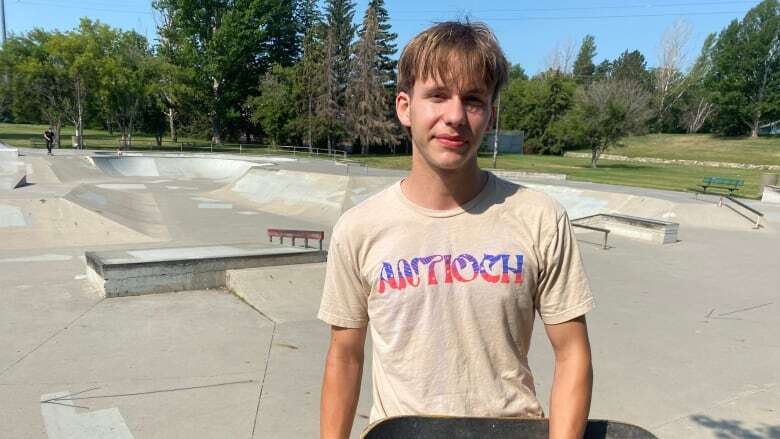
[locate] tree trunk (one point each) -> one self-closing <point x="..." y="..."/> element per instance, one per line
<point x="309" y="119"/>
<point x="171" y="122"/>
<point x="57" y="130"/>
<point x="216" y="137"/>
<point x="754" y="125"/>
<point x="80" y="123"/>
<point x="594" y="157"/>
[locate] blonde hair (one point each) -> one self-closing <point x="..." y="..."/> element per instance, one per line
<point x="467" y="53"/>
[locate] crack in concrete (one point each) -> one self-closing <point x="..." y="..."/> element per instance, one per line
<point x="48" y="339"/>
<point x="262" y="382"/>
<point x="267" y="355"/>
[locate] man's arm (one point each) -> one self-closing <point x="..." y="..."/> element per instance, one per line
<point x="573" y="381"/>
<point x="341" y="383"/>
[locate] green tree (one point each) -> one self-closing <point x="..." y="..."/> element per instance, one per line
<point x="229" y="44"/>
<point x="517" y="72"/>
<point x="366" y="94"/>
<point x="270" y="107"/>
<point x="583" y="65"/>
<point x="125" y="77"/>
<point x="384" y="39"/>
<point x="533" y="106"/>
<point x="631" y="66"/>
<point x="745" y="75"/>
<point x="698" y="106"/>
<point x="339" y="15"/>
<point x="602" y="114"/>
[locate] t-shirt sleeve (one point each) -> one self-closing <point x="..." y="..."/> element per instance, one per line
<point x="563" y="290"/>
<point x="345" y="294"/>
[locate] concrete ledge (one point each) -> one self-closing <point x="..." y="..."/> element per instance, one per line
<point x="520" y="175"/>
<point x="771" y="194"/>
<point x="644" y="229"/>
<point x="164" y="270"/>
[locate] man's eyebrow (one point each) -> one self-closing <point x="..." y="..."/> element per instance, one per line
<point x="474" y="91"/>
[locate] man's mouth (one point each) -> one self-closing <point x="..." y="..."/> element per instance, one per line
<point x="451" y="141"/>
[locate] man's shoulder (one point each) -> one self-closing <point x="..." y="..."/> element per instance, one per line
<point x="359" y="219"/>
<point x="522" y="200"/>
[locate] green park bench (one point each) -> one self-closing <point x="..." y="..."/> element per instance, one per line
<point x="722" y="183"/>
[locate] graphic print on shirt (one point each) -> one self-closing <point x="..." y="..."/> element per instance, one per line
<point x="447" y="269"/>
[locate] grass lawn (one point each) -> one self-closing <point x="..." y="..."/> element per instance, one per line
<point x="19" y="135"/>
<point x="671" y="177"/>
<point x="669" y="146"/>
<point x="704" y="147"/>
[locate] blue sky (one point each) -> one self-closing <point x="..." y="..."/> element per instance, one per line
<point x="528" y="30"/>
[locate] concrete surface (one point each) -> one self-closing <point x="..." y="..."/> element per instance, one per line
<point x="771" y="194"/>
<point x="684" y="335"/>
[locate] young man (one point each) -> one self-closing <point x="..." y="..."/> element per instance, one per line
<point x="449" y="265"/>
<point x="48" y="135"/>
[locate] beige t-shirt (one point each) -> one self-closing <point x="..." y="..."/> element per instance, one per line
<point x="450" y="296"/>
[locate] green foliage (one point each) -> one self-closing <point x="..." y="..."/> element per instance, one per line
<point x="583" y="65"/>
<point x="534" y="105"/>
<point x="339" y="15"/>
<point x="229" y="44"/>
<point x="604" y="113"/>
<point x="367" y="99"/>
<point x="744" y="79"/>
<point x="274" y="119"/>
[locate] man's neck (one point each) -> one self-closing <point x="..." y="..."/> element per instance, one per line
<point x="443" y="190"/>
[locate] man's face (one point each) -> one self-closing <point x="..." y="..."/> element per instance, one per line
<point x="446" y="121"/>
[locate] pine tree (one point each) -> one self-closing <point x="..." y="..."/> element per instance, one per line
<point x="341" y="31"/>
<point x="385" y="40"/>
<point x="367" y="97"/>
<point x="583" y="66"/>
<point x="327" y="102"/>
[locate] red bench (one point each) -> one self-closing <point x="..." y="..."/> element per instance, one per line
<point x="294" y="234"/>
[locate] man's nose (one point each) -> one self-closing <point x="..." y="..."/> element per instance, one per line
<point x="454" y="112"/>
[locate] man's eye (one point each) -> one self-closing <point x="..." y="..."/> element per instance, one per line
<point x="475" y="103"/>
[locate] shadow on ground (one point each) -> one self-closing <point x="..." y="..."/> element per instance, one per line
<point x="733" y="429"/>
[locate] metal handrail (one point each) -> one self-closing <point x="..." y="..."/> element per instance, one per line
<point x="746" y="207"/>
<point x="595" y="229"/>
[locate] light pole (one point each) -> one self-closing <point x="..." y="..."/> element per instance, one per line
<point x="2" y="20"/>
<point x="495" y="138"/>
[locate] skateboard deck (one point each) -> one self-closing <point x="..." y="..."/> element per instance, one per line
<point x="444" y="427"/>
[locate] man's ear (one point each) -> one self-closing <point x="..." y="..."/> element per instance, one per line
<point x="402" y="108"/>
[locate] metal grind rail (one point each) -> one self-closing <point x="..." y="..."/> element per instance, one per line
<point x="758" y="214"/>
<point x="595" y="229"/>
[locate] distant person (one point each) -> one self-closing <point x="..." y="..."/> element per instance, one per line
<point x="48" y="135"/>
<point x="449" y="266"/>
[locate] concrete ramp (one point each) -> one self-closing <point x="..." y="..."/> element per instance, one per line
<point x="218" y="169"/>
<point x="317" y="197"/>
<point x="306" y="195"/>
<point x="135" y="209"/>
<point x="46" y="222"/>
<point x="362" y="187"/>
<point x="686" y="212"/>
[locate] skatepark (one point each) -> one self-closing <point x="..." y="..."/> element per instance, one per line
<point x="206" y="329"/>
